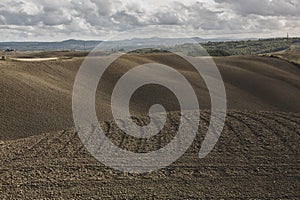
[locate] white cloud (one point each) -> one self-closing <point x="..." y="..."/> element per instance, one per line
<point x="56" y="19"/>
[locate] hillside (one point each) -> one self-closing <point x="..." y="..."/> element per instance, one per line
<point x="292" y="54"/>
<point x="240" y="47"/>
<point x="257" y="155"/>
<point x="251" y="47"/>
<point x="36" y="96"/>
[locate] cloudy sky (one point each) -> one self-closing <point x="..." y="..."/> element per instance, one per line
<point x="55" y="20"/>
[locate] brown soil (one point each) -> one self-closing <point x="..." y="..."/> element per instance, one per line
<point x="257" y="156"/>
<point x="36" y="96"/>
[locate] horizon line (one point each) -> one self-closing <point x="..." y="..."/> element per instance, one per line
<point x="93" y="40"/>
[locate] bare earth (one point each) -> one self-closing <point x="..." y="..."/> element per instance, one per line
<point x="36" y="97"/>
<point x="257" y="155"/>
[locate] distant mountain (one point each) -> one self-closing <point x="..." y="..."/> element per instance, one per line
<point x="50" y="46"/>
<point x="126" y="45"/>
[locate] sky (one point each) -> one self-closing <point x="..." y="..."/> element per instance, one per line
<point x="56" y="20"/>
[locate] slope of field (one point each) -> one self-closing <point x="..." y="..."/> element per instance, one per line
<point x="36" y="96"/>
<point x="291" y="54"/>
<point x="257" y="157"/>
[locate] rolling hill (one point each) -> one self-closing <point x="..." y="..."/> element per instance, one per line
<point x="36" y="96"/>
<point x="257" y="155"/>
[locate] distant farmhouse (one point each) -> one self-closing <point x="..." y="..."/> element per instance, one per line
<point x="3" y="58"/>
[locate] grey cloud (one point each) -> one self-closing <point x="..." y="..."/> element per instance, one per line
<point x="195" y="16"/>
<point x="264" y="7"/>
<point x="104" y="7"/>
<point x="94" y="17"/>
<point x="11" y="18"/>
<point x="165" y="18"/>
<point x="124" y="19"/>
